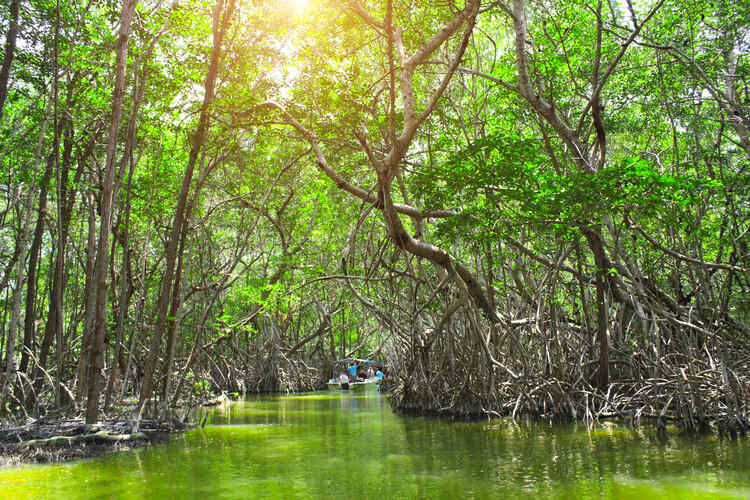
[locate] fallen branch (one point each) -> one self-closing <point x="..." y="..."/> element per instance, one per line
<point x="100" y="437"/>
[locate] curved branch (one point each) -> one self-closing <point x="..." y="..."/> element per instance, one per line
<point x="339" y="180"/>
<point x="361" y="12"/>
<point x="542" y="107"/>
<point x="685" y="258"/>
<point x="409" y="65"/>
<point x="615" y="62"/>
<point x="435" y="255"/>
<point x="494" y="79"/>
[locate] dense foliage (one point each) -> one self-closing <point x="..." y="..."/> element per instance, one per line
<point x="536" y="207"/>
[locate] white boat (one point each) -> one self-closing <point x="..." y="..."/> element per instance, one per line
<point x="369" y="384"/>
<point x="346" y="383"/>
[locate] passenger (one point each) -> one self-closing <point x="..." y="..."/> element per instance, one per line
<point x="379" y="374"/>
<point x="352" y="371"/>
<point x="370" y="372"/>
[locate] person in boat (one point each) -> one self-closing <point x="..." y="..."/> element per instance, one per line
<point x="370" y="372"/>
<point x="379" y="374"/>
<point x="352" y="371"/>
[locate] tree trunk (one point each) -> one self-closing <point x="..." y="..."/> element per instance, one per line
<point x="29" y="332"/>
<point x="174" y="319"/>
<point x="53" y="329"/>
<point x="89" y="301"/>
<point x="127" y="159"/>
<point x="9" y="51"/>
<point x="600" y="259"/>
<point x="125" y="292"/>
<point x="22" y="244"/>
<point x="221" y="16"/>
<point x="53" y="326"/>
<point x="96" y="364"/>
<point x="10" y="345"/>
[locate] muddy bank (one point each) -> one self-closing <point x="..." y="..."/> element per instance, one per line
<point x="63" y="440"/>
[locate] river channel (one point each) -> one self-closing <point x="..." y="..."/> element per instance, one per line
<point x="350" y="446"/>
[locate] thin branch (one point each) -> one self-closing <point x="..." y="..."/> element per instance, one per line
<point x="685" y="258"/>
<point x="361" y="12"/>
<point x="338" y="179"/>
<point x="491" y="78"/>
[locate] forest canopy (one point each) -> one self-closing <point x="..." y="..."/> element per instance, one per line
<point x="526" y="207"/>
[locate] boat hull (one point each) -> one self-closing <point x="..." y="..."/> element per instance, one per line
<point x="372" y="385"/>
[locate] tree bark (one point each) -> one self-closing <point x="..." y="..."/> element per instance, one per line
<point x="22" y="244"/>
<point x="221" y="16"/>
<point x="174" y="312"/>
<point x="89" y="300"/>
<point x="9" y="51"/>
<point x="127" y="159"/>
<point x="60" y="352"/>
<point x="10" y="345"/>
<point x="29" y="332"/>
<point x="96" y="365"/>
<point x="53" y="326"/>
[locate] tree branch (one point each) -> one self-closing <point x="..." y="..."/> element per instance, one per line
<point x="338" y="179"/>
<point x="685" y="258"/>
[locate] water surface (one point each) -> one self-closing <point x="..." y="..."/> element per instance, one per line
<point x="349" y="446"/>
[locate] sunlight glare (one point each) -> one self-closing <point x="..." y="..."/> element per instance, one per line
<point x="298" y="5"/>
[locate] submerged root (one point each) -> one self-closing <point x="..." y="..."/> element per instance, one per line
<point x="700" y="387"/>
<point x="274" y="370"/>
<point x="61" y="440"/>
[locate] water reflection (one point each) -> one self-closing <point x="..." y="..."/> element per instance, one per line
<point x="347" y="445"/>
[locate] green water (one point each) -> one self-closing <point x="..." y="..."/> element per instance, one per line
<point x="340" y="445"/>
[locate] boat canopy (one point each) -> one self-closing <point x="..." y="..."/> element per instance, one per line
<point x="358" y="360"/>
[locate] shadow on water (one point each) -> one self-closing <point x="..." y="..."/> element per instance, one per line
<point x="345" y="445"/>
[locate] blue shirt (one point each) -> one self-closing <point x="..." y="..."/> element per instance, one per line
<point x="379" y="374"/>
<point x="353" y="370"/>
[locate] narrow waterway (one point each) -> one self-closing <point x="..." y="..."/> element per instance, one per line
<point x="348" y="446"/>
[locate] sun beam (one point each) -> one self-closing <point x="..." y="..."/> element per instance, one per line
<point x="299" y="6"/>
